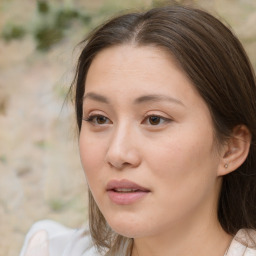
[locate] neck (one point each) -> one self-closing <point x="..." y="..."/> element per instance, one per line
<point x="198" y="236"/>
<point x="211" y="242"/>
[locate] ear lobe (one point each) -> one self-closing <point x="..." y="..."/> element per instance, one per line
<point x="235" y="151"/>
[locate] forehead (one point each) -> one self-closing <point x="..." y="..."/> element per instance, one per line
<point x="130" y="69"/>
<point x="131" y="57"/>
<point x="133" y="63"/>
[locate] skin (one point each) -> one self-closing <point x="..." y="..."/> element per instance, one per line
<point x="175" y="157"/>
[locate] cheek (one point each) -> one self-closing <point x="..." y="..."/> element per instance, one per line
<point x="92" y="159"/>
<point x="91" y="155"/>
<point x="185" y="163"/>
<point x="180" y="153"/>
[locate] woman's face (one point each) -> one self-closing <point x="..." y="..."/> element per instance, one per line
<point x="147" y="143"/>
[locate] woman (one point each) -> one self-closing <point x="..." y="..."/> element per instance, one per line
<point x="165" y="107"/>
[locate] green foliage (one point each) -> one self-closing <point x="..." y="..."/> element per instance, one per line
<point x="159" y="3"/>
<point x="42" y="7"/>
<point x="54" y="19"/>
<point x="12" y="31"/>
<point x="3" y="159"/>
<point x="64" y="17"/>
<point x="46" y="36"/>
<point x="50" y="28"/>
<point x="57" y="205"/>
<point x="85" y="18"/>
<point x="51" y="33"/>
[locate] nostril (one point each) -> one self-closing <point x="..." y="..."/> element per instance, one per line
<point x="122" y="154"/>
<point x="119" y="165"/>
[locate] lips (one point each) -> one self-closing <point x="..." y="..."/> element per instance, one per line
<point x="125" y="186"/>
<point x="124" y="192"/>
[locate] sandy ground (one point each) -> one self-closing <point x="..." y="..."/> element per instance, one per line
<point x="40" y="172"/>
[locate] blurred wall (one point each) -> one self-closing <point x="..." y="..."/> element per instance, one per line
<point x="40" y="172"/>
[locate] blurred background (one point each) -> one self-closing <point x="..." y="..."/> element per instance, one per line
<point x="40" y="172"/>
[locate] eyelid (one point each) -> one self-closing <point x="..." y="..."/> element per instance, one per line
<point x="165" y="119"/>
<point x="91" y="119"/>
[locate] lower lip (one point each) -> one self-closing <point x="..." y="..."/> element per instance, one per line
<point x="126" y="198"/>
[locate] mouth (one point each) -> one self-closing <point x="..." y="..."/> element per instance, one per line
<point x="125" y="186"/>
<point x="125" y="192"/>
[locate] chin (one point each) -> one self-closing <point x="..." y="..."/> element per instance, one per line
<point x="128" y="232"/>
<point x="129" y="228"/>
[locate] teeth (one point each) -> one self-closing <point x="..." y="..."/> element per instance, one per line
<point x="125" y="190"/>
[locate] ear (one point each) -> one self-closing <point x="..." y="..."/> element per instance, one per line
<point x="235" y="151"/>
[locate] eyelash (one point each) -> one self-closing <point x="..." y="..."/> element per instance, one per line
<point x="163" y="119"/>
<point x="92" y="119"/>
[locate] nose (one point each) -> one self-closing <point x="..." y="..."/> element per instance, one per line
<point x="123" y="149"/>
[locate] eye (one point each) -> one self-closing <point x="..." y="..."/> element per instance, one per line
<point x="97" y="119"/>
<point x="155" y="120"/>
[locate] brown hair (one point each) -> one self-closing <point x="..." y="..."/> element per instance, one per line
<point x="216" y="63"/>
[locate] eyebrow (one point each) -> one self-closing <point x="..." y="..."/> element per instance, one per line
<point x="139" y="100"/>
<point x="157" y="98"/>
<point x="96" y="97"/>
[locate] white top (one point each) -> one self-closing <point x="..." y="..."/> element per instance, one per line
<point x="49" y="238"/>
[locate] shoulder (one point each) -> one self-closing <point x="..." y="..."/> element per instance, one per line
<point x="49" y="238"/>
<point x="243" y="244"/>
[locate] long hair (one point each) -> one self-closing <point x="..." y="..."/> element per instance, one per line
<point x="215" y="62"/>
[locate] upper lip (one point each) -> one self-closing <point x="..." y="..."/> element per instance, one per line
<point x="119" y="184"/>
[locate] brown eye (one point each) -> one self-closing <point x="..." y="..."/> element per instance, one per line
<point x="97" y="120"/>
<point x="101" y="119"/>
<point x="154" y="120"/>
